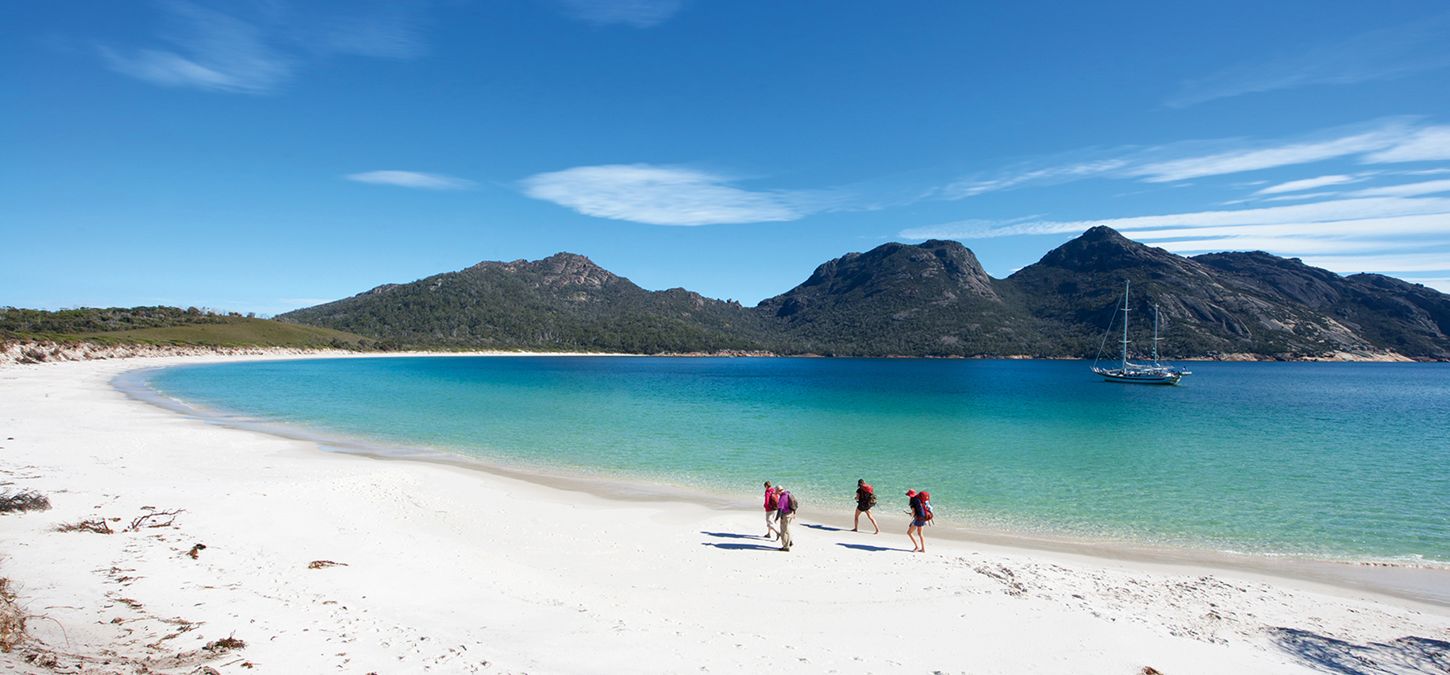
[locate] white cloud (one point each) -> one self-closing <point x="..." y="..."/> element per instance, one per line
<point x="1237" y="161"/>
<point x="1428" y="187"/>
<point x="1380" y="54"/>
<point x="1424" y="145"/>
<point x="1288" y="246"/>
<point x="1307" y="184"/>
<point x="1382" y="141"/>
<point x="1441" y="284"/>
<point x="1371" y="212"/>
<point x="1409" y="262"/>
<point x="411" y="179"/>
<point x="1293" y="197"/>
<point x="221" y="49"/>
<point x="666" y="195"/>
<point x="635" y="13"/>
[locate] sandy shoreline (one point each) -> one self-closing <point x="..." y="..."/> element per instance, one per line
<point x="449" y="568"/>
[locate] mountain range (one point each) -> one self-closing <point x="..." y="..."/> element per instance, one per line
<point x="927" y="299"/>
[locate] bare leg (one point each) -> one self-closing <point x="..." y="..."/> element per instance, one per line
<point x="856" y="523"/>
<point x="911" y="534"/>
<point x="872" y="519"/>
<point x="921" y="534"/>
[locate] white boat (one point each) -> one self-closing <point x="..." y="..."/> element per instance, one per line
<point x="1138" y="373"/>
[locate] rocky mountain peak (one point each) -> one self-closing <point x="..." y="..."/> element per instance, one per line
<point x="1102" y="249"/>
<point x="560" y="270"/>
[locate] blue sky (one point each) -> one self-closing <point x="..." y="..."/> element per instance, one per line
<point x="262" y="156"/>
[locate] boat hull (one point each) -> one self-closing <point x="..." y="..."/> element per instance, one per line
<point x="1139" y="378"/>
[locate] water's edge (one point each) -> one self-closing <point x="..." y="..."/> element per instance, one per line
<point x="1420" y="583"/>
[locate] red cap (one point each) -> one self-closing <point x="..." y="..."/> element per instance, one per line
<point x="911" y="493"/>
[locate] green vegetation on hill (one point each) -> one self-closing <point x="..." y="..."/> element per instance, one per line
<point x="561" y="303"/>
<point x="102" y="319"/>
<point x="171" y="326"/>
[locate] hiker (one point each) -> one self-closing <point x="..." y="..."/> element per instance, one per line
<point x="770" y="507"/>
<point x="786" y="505"/>
<point x="865" y="499"/>
<point x="920" y="503"/>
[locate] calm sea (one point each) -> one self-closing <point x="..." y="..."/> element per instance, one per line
<point x="1338" y="461"/>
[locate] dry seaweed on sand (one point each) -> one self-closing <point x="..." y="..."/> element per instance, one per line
<point x="12" y="620"/>
<point x="24" y="500"/>
<point x="225" y="644"/>
<point x="96" y="525"/>
<point x="319" y="564"/>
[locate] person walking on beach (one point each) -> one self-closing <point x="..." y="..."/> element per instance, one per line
<point x="865" y="499"/>
<point x="785" y="510"/>
<point x="770" y="511"/>
<point x="920" y="503"/>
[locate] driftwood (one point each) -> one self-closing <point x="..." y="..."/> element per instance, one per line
<point x="153" y="519"/>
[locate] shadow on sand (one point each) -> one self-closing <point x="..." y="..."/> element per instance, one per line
<point x="818" y="526"/>
<point x="731" y="535"/>
<point x="873" y="549"/>
<point x="1403" y="655"/>
<point x="741" y="547"/>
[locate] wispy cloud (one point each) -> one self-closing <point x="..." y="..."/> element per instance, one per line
<point x="1064" y="173"/>
<point x="1294" y="197"/>
<point x="1428" y="187"/>
<point x="1380" y="54"/>
<point x="1441" y="284"/>
<point x="634" y="13"/>
<point x="670" y="195"/>
<point x="1346" y="216"/>
<point x="1385" y="141"/>
<point x="411" y="179"/>
<point x="1387" y="264"/>
<point x="1307" y="184"/>
<point x="219" y="48"/>
<point x="1424" y="145"/>
<point x="1296" y="246"/>
<point x="213" y="51"/>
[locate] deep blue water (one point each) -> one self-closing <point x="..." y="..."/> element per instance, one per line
<point x="1326" y="460"/>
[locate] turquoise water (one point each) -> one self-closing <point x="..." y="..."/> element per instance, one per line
<point x="1341" y="461"/>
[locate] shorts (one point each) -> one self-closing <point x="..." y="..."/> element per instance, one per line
<point x="918" y="523"/>
<point x="863" y="506"/>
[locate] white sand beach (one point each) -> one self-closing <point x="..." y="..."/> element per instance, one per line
<point x="448" y="569"/>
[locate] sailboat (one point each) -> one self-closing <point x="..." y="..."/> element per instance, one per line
<point x="1138" y="373"/>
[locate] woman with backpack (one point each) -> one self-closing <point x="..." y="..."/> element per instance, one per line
<point x="920" y="503"/>
<point x="865" y="499"/>
<point x="771" y="499"/>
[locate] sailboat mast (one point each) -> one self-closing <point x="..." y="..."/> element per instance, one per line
<point x="1155" y="334"/>
<point x="1126" y="286"/>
